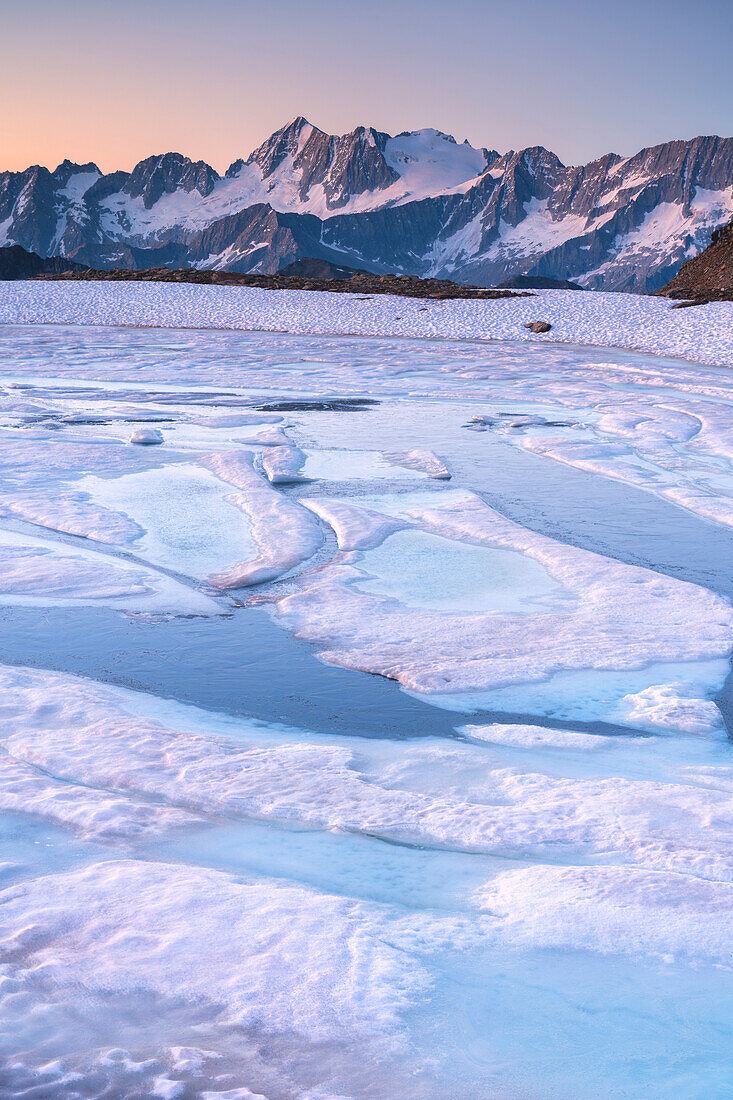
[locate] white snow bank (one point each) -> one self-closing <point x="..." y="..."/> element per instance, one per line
<point x="457" y="796"/>
<point x="612" y="910"/>
<point x="355" y="528"/>
<point x="260" y="954"/>
<point x="702" y="333"/>
<point x="285" y="533"/>
<point x="97" y="814"/>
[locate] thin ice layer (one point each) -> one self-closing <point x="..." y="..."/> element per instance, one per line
<point x="420" y="459"/>
<point x="190" y="525"/>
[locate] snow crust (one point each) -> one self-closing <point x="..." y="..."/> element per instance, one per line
<point x="611" y="320"/>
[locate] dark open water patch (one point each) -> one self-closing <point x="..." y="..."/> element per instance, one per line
<point x="240" y="664"/>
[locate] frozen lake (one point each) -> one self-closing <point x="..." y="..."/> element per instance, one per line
<point x="408" y="775"/>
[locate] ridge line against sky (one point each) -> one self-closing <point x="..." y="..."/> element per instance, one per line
<point x="116" y="83"/>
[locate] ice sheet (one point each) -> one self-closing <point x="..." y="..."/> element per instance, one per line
<point x="204" y="905"/>
<point x="343" y="465"/>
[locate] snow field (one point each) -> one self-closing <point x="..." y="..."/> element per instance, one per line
<point x="614" y="320"/>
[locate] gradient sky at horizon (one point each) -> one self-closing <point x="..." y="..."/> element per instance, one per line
<point x="114" y="82"/>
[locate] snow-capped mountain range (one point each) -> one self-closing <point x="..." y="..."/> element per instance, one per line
<point x="418" y="203"/>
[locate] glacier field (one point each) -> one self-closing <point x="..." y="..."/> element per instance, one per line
<point x="366" y="726"/>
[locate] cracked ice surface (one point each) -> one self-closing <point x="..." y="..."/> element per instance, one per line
<point x="524" y="891"/>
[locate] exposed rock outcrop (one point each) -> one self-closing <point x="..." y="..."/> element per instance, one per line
<point x="707" y="277"/>
<point x="361" y="283"/>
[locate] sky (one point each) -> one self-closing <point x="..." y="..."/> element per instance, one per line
<point x="114" y="81"/>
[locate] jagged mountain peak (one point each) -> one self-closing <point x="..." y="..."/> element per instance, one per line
<point x="70" y="167"/>
<point x="285" y="142"/>
<point x="416" y="203"/>
<point x="168" y="172"/>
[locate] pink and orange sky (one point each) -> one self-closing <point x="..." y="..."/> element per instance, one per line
<point x="116" y="81"/>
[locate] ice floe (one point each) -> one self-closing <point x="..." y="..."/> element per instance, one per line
<point x="283" y="465"/>
<point x="200" y="904"/>
<point x="147" y="436"/>
<point x="608" y="617"/>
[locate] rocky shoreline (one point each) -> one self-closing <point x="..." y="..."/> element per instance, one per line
<point x="362" y="283"/>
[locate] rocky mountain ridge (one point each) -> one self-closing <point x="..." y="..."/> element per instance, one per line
<point x="707" y="277"/>
<point x="330" y="278"/>
<point x="415" y="204"/>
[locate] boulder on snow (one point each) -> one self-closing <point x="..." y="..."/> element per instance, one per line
<point x="146" y="436"/>
<point x="538" y="326"/>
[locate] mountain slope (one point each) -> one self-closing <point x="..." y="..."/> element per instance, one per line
<point x="418" y="203"/>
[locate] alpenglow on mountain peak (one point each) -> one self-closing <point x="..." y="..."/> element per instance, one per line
<point x="415" y="203"/>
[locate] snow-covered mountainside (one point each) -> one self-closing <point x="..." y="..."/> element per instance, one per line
<point x="418" y="203"/>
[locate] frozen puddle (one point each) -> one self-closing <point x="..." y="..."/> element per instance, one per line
<point x="343" y="465"/>
<point x="190" y="526"/>
<point x="338" y="862"/>
<point x="428" y="571"/>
